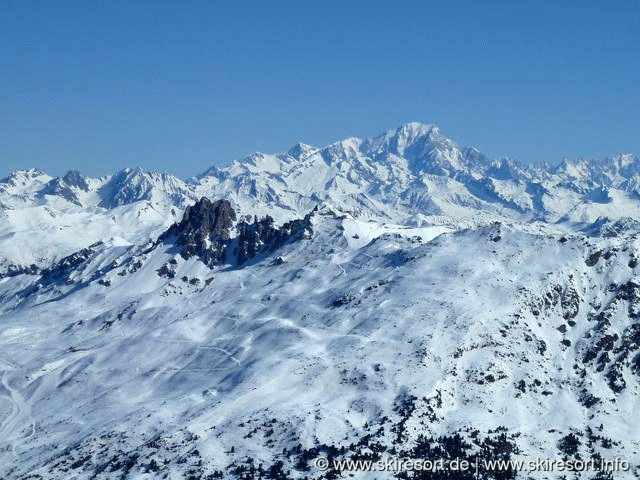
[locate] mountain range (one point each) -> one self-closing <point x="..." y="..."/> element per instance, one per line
<point x="397" y="296"/>
<point x="410" y="176"/>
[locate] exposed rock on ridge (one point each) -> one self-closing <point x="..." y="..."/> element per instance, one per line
<point x="262" y="236"/>
<point x="205" y="231"/>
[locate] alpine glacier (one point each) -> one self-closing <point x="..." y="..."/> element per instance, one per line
<point x="397" y="296"/>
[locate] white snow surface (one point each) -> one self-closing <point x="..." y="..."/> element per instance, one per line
<point x="497" y="296"/>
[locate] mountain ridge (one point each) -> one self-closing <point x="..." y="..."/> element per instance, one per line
<point x="412" y="175"/>
<point x="423" y="145"/>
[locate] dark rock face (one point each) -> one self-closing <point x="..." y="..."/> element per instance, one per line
<point x="611" y="349"/>
<point x="604" y="227"/>
<point x="13" y="270"/>
<point x="262" y="236"/>
<point x="73" y="178"/>
<point x="592" y="259"/>
<point x="208" y="220"/>
<point x="74" y="262"/>
<point x="205" y="231"/>
<point x="64" y="187"/>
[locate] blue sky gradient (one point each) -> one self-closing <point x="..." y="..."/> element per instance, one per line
<point x="180" y="86"/>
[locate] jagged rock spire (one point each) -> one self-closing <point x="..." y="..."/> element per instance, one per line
<point x="205" y="231"/>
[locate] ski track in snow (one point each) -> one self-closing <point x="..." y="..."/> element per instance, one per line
<point x="20" y="418"/>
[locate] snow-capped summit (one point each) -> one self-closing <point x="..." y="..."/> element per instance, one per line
<point x="23" y="178"/>
<point x="423" y="145"/>
<point x="300" y="150"/>
<point x="133" y="185"/>
<point x="22" y="186"/>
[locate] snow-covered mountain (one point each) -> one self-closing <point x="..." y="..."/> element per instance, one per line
<point x="33" y="188"/>
<point x="413" y="175"/>
<point x="45" y="218"/>
<point x="388" y="298"/>
<point x="415" y="172"/>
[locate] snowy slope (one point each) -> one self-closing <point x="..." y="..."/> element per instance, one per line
<point x="214" y="366"/>
<point x="405" y="298"/>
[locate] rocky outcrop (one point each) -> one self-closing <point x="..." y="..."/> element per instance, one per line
<point x="205" y="231"/>
<point x="69" y="264"/>
<point x="263" y="236"/>
<point x="14" y="270"/>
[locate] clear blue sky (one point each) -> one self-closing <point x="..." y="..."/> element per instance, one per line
<point x="180" y="86"/>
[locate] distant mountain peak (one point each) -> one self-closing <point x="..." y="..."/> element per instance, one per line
<point x="67" y="187"/>
<point x="300" y="150"/>
<point x="131" y="185"/>
<point x="413" y="132"/>
<point x="25" y="176"/>
<point x="73" y="178"/>
<point x="407" y="133"/>
<point x="418" y="129"/>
